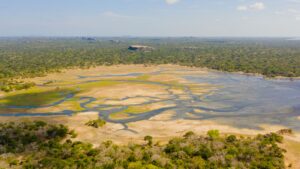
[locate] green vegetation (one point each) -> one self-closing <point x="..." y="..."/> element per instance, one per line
<point x="18" y="138"/>
<point x="213" y="134"/>
<point x="31" y="57"/>
<point x="285" y="132"/>
<point x="11" y="85"/>
<point x="35" y="97"/>
<point x="143" y="77"/>
<point x="96" y="123"/>
<point x="149" y="139"/>
<point x="97" y="84"/>
<point x="130" y="110"/>
<point x="39" y="145"/>
<point x="135" y="110"/>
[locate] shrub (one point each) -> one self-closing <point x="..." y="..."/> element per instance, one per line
<point x="213" y="134"/>
<point x="96" y="123"/>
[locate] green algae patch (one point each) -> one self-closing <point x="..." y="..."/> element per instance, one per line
<point x="102" y="83"/>
<point x="119" y="115"/>
<point x="136" y="109"/>
<point x="144" y="77"/>
<point x="35" y="97"/>
<point x="61" y="83"/>
<point x="74" y="105"/>
<point x="130" y="110"/>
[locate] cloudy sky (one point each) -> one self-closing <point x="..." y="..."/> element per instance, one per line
<point x="150" y="18"/>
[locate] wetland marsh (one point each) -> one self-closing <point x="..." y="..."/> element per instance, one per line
<point x="131" y="94"/>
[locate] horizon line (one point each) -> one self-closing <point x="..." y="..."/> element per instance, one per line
<point x="132" y="36"/>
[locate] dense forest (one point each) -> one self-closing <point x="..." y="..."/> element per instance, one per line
<point x="31" y="57"/>
<point x="33" y="145"/>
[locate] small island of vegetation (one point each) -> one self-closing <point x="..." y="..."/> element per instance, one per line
<point x="96" y="123"/>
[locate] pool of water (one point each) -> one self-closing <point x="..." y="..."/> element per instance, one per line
<point x="270" y="101"/>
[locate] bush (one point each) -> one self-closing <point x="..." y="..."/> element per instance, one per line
<point x="213" y="134"/>
<point x="96" y="123"/>
<point x="149" y="140"/>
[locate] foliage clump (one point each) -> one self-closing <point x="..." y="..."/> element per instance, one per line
<point x="10" y="85"/>
<point x="19" y="137"/>
<point x="285" y="132"/>
<point x="96" y="123"/>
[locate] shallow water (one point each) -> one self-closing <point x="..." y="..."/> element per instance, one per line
<point x="275" y="102"/>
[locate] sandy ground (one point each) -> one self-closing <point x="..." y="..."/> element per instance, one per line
<point x="160" y="127"/>
<point x="126" y="90"/>
<point x="292" y="155"/>
<point x="72" y="74"/>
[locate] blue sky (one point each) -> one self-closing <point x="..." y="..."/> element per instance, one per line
<point x="150" y="18"/>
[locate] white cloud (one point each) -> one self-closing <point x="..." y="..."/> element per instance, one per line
<point x="294" y="11"/>
<point x="242" y="8"/>
<point x="279" y="13"/>
<point x="171" y="2"/>
<point x="295" y="1"/>
<point x="290" y="13"/>
<point x="258" y="6"/>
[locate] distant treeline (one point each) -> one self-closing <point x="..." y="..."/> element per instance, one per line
<point x="31" y="57"/>
<point x="38" y="145"/>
